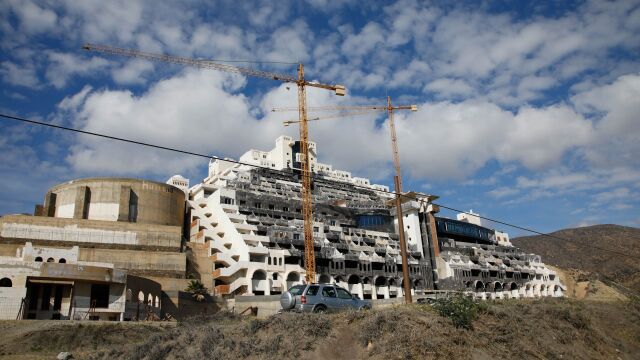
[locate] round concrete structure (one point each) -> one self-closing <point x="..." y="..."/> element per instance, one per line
<point x="117" y="199"/>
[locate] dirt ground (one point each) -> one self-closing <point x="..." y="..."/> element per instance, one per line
<point x="585" y="285"/>
<point x="528" y="329"/>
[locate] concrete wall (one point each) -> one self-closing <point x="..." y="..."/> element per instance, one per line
<point x="113" y="199"/>
<point x="9" y="249"/>
<point x="72" y="231"/>
<point x="136" y="260"/>
<point x="267" y="305"/>
<point x="10" y="299"/>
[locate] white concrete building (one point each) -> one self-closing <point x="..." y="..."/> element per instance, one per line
<point x="249" y="220"/>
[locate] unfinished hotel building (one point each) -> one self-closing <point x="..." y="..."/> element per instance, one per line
<point x="248" y="220"/>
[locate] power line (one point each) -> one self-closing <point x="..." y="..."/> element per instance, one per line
<point x="34" y="122"/>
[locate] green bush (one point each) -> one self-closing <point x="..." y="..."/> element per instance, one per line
<point x="460" y="309"/>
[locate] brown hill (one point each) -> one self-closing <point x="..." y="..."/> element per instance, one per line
<point x="583" y="250"/>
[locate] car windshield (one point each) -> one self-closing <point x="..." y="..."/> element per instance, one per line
<point x="297" y="290"/>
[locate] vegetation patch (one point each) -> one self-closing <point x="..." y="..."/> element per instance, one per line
<point x="462" y="310"/>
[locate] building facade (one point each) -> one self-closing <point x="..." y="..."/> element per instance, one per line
<point x="249" y="220"/>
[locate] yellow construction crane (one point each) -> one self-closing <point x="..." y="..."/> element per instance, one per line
<point x="362" y="110"/>
<point x="307" y="206"/>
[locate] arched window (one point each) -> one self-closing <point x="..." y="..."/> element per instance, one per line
<point x="280" y="261"/>
<point x="275" y="276"/>
<point x="129" y="295"/>
<point x="157" y="301"/>
<point x="141" y="297"/>
<point x="62" y="261"/>
<point x="268" y="261"/>
<point x="6" y="282"/>
<point x="51" y="260"/>
<point x="38" y="259"/>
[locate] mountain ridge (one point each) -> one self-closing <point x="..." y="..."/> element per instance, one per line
<point x="608" y="252"/>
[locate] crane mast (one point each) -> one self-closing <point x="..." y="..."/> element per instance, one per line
<point x="307" y="205"/>
<point x="307" y="202"/>
<point x="394" y="144"/>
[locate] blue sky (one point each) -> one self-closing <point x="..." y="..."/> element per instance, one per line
<point x="527" y="112"/>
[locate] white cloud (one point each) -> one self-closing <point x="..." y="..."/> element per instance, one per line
<point x="33" y="18"/>
<point x="368" y="39"/>
<point x="617" y="106"/>
<point x="503" y="192"/>
<point x="133" y="72"/>
<point x="15" y="74"/>
<point x="109" y="22"/>
<point x="449" y="88"/>
<point x="62" y="66"/>
<point x="191" y="111"/>
<point x="539" y="137"/>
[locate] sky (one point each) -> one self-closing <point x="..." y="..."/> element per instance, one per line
<point x="527" y="111"/>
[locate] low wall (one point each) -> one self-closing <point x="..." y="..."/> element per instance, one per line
<point x="267" y="304"/>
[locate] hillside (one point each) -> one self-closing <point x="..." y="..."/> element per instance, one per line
<point x="526" y="329"/>
<point x="581" y="252"/>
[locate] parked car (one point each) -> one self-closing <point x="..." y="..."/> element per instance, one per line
<point x="319" y="298"/>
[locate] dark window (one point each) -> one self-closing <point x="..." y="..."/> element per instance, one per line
<point x="133" y="207"/>
<point x="46" y="297"/>
<point x="5" y="282"/>
<point x="343" y="294"/>
<point x="50" y="260"/>
<point x="272" y="207"/>
<point x="328" y="291"/>
<point x="275" y="276"/>
<point x="62" y="261"/>
<point x="313" y="290"/>
<point x="100" y="295"/>
<point x="296" y="236"/>
<point x="38" y="259"/>
<point x="57" y="299"/>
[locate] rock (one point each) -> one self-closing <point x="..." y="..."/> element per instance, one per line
<point x="64" y="356"/>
